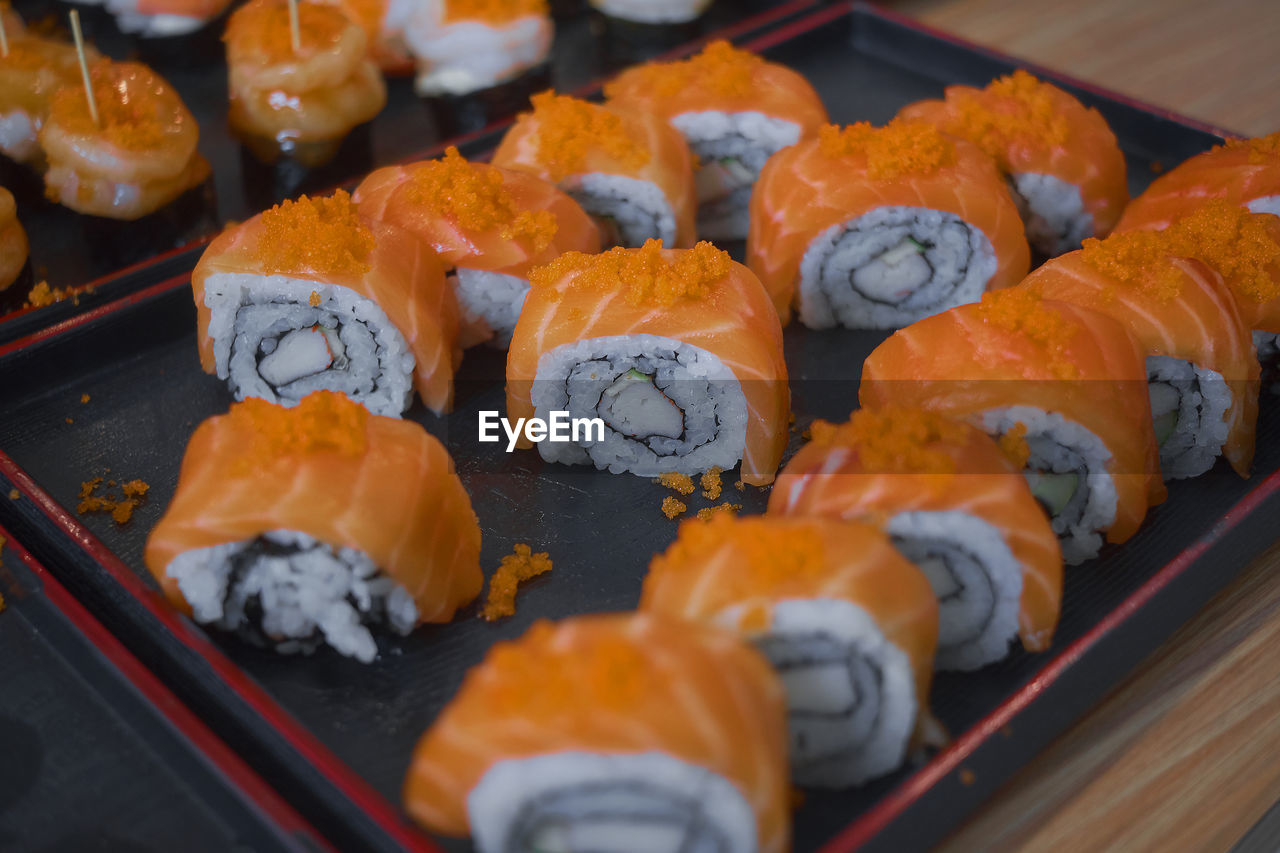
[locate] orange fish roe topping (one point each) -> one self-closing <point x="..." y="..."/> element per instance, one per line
<point x="672" y="507"/>
<point x="711" y="485"/>
<point x="322" y="422"/>
<point x="1013" y="444"/>
<point x="493" y="11"/>
<point x="895" y="439"/>
<point x="1139" y="259"/>
<point x="316" y="235"/>
<point x="570" y="128"/>
<point x="720" y="69"/>
<point x="127" y="96"/>
<point x="473" y="195"/>
<point x="259" y="32"/>
<point x="1236" y="243"/>
<point x="42" y="295"/>
<point x="1022" y="311"/>
<point x="648" y="277"/>
<point x="121" y="508"/>
<point x="681" y="483"/>
<point x="1013" y="110"/>
<point x="899" y="148"/>
<point x="518" y="566"/>
<point x="314" y="299"/>
<point x="726" y="508"/>
<point x="1262" y="149"/>
<point x="771" y="556"/>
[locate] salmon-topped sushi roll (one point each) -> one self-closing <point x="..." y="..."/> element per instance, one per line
<point x="1061" y="159"/>
<point x="295" y="528"/>
<point x="613" y="732"/>
<point x="1241" y="172"/>
<point x="874" y="228"/>
<point x="673" y="357"/>
<point x="956" y="504"/>
<point x="1200" y="361"/>
<point x="630" y="170"/>
<point x="489" y="225"/>
<point x="848" y="623"/>
<point x="735" y="109"/>
<point x="312" y="296"/>
<point x="1068" y="381"/>
<point x="462" y="46"/>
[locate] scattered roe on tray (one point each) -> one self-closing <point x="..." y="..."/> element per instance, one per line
<point x="519" y="566"/>
<point x="711" y="485"/>
<point x="121" y="508"/>
<point x="84" y="398"/>
<point x="899" y="148"/>
<point x="1015" y="110"/>
<point x="14" y="494"/>
<point x="569" y="128"/>
<point x="1141" y="260"/>
<point x="726" y="508"/>
<point x="258" y="33"/>
<point x="473" y="195"/>
<point x="136" y="109"/>
<point x="648" y="277"/>
<point x="42" y="295"/>
<point x="1262" y="149"/>
<point x="492" y="11"/>
<point x="895" y="439"/>
<point x="1240" y="245"/>
<point x="720" y="69"/>
<point x="1022" y="312"/>
<point x="319" y="235"/>
<point x="323" y="421"/>
<point x="679" y="483"/>
<point x="672" y="507"/>
<point x="1013" y="444"/>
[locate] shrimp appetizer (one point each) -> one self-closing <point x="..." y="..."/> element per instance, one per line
<point x="13" y="241"/>
<point x="32" y="71"/>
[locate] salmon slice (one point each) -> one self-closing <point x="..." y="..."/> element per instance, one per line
<point x="331" y="470"/>
<point x="639" y="292"/>
<point x="1176" y="307"/>
<point x="1241" y="172"/>
<point x="1014" y="349"/>
<point x="611" y="684"/>
<point x="890" y="461"/>
<point x="807" y="188"/>
<point x="326" y="241"/>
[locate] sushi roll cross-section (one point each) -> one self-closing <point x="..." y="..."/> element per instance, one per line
<point x="316" y="525"/>
<point x="677" y="352"/>
<point x="312" y="296"/>
<point x="735" y="110"/>
<point x="462" y="46"/>
<point x="874" y="228"/>
<point x="848" y="623"/>
<point x="489" y="225"/>
<point x="954" y="503"/>
<point x="611" y="733"/>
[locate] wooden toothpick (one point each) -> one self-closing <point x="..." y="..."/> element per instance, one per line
<point x="4" y="37"/>
<point x="295" y="31"/>
<point x="84" y="67"/>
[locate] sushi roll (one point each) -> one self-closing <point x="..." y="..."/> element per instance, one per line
<point x="847" y="622"/>
<point x="463" y="46"/>
<point x="677" y="353"/>
<point x="874" y="228"/>
<point x="631" y="171"/>
<point x="311" y="296"/>
<point x="735" y="110"/>
<point x="1064" y="167"/>
<point x="299" y="101"/>
<point x="13" y="241"/>
<point x="1069" y="382"/>
<point x="139" y="157"/>
<point x="610" y="732"/>
<point x="658" y="12"/>
<point x="1200" y="361"/>
<point x="955" y="504"/>
<point x="32" y="71"/>
<point x="1241" y="172"/>
<point x="316" y="525"/>
<point x="489" y="225"/>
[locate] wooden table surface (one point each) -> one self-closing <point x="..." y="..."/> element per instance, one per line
<point x="1185" y="755"/>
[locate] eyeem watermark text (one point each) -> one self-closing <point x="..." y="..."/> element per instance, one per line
<point x="558" y="428"/>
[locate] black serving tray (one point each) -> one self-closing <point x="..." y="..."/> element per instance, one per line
<point x="336" y="735"/>
<point x="95" y="754"/>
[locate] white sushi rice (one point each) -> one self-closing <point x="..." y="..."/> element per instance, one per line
<point x="270" y="342"/>
<point x="688" y="415"/>
<point x="976" y="578"/>
<point x="493" y="298"/>
<point x="1052" y="211"/>
<point x="19" y="137"/>
<point x="638" y="210"/>
<point x="732" y="149"/>
<point x="1265" y="204"/>
<point x="1195" y="400"/>
<point x="566" y="802"/>
<point x="467" y="56"/>
<point x="892" y="266"/>
<point x="292" y="592"/>
<point x="1061" y="447"/>
<point x="851" y="700"/>
<point x="653" y="11"/>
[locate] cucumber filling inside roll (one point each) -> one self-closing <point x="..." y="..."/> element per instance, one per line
<point x="851" y="703"/>
<point x="665" y="405"/>
<point x="629" y="210"/>
<point x="891" y="267"/>
<point x="1052" y="212"/>
<point x="280" y="339"/>
<point x="492" y="298"/>
<point x="568" y="802"/>
<point x="976" y="578"/>
<point x="288" y="591"/>
<point x="1188" y="404"/>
